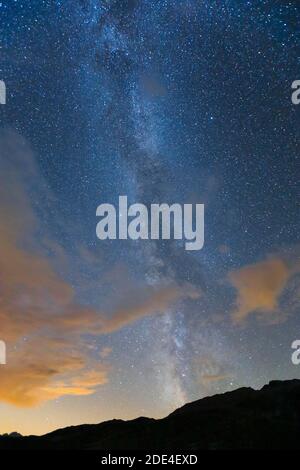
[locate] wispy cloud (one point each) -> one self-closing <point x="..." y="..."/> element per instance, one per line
<point x="259" y="287"/>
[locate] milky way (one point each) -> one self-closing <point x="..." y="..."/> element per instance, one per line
<point x="166" y="101"/>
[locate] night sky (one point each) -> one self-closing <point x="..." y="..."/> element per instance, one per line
<point x="185" y="101"/>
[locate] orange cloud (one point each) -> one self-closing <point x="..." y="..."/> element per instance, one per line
<point x="44" y="369"/>
<point x="259" y="287"/>
<point x="209" y="370"/>
<point x="214" y="378"/>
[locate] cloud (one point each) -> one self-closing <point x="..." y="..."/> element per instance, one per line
<point x="259" y="287"/>
<point x="105" y="352"/>
<point x="154" y="300"/>
<point x="41" y="319"/>
<point x="209" y="370"/>
<point x="214" y="378"/>
<point x="45" y="369"/>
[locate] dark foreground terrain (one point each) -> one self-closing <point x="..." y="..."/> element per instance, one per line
<point x="243" y="419"/>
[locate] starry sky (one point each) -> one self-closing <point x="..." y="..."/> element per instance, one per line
<point x="185" y="101"/>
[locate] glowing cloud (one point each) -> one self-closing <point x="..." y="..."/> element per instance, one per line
<point x="259" y="287"/>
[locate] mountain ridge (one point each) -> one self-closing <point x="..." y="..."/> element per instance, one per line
<point x="240" y="419"/>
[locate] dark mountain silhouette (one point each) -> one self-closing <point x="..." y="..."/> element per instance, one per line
<point x="243" y="419"/>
